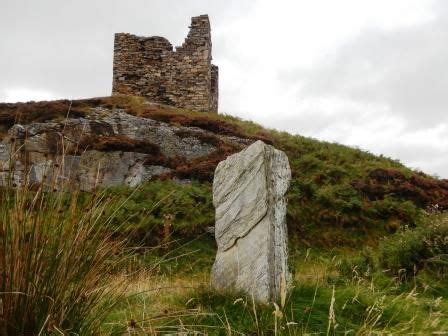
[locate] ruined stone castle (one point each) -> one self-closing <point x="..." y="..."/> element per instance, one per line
<point x="184" y="77"/>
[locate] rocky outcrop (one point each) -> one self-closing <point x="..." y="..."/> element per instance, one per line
<point x="249" y="196"/>
<point x="107" y="147"/>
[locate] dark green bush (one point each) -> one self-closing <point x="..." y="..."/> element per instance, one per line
<point x="411" y="250"/>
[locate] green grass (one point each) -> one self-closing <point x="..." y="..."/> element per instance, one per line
<point x="165" y="289"/>
<point x="146" y="208"/>
<point x="177" y="298"/>
<point x="365" y="257"/>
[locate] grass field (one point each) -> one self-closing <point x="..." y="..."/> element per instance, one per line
<point x="77" y="263"/>
<point x="368" y="245"/>
<point x="325" y="299"/>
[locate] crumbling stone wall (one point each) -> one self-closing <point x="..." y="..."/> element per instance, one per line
<point x="185" y="77"/>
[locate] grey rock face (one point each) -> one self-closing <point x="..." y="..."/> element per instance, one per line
<point x="37" y="149"/>
<point x="249" y="196"/>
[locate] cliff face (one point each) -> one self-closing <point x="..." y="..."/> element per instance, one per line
<point x="109" y="147"/>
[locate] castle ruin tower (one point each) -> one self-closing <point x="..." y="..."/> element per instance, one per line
<point x="184" y="77"/>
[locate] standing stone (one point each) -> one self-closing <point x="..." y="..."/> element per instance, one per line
<point x="249" y="196"/>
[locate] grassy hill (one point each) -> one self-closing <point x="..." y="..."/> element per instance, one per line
<point x="338" y="196"/>
<point x="368" y="242"/>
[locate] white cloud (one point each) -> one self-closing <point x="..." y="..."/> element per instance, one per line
<point x="13" y="95"/>
<point x="362" y="73"/>
<point x="370" y="74"/>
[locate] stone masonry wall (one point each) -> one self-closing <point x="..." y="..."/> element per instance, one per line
<point x="185" y="77"/>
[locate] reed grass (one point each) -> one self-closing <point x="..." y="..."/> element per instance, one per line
<point x="58" y="254"/>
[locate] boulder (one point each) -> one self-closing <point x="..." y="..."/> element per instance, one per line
<point x="249" y="196"/>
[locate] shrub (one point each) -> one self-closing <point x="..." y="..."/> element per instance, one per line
<point x="424" y="247"/>
<point x="56" y="256"/>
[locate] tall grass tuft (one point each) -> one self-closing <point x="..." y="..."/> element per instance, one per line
<point x="57" y="258"/>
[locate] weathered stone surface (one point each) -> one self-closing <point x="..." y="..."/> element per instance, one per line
<point x="249" y="196"/>
<point x="185" y="77"/>
<point x="106" y="148"/>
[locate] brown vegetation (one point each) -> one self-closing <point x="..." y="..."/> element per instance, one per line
<point x="25" y="113"/>
<point x="118" y="143"/>
<point x="203" y="168"/>
<point x="11" y="113"/>
<point x="207" y="138"/>
<point x="419" y="188"/>
<point x="203" y="121"/>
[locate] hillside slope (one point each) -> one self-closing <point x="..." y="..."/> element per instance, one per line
<point x="339" y="195"/>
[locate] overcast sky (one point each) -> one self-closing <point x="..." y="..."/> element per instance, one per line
<point x="366" y="73"/>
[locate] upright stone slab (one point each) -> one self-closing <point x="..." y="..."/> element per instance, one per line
<point x="249" y="196"/>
